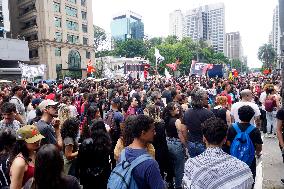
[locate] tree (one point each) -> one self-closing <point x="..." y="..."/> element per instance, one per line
<point x="130" y="48"/>
<point x="267" y="55"/>
<point x="100" y="37"/>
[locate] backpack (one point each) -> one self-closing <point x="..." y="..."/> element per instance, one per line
<point x="242" y="146"/>
<point x="121" y="176"/>
<point x="269" y="104"/>
<point x="109" y="120"/>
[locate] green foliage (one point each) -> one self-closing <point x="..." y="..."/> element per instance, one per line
<point x="267" y="55"/>
<point x="130" y="48"/>
<point x="99" y="37"/>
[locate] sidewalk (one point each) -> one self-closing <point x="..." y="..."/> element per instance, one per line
<point x="272" y="165"/>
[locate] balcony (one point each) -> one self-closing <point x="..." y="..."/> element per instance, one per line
<point x="31" y="14"/>
<point x="24" y="3"/>
<point x="29" y="29"/>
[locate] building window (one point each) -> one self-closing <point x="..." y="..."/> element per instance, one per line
<point x="84" y="28"/>
<point x="88" y="55"/>
<point x="57" y="22"/>
<point x="85" y="41"/>
<point x="72" y="39"/>
<point x="56" y="7"/>
<point x="72" y="25"/>
<point x="83" y="3"/>
<point x="57" y="51"/>
<point x="58" y="67"/>
<point x="33" y="53"/>
<point x="71" y="11"/>
<point x="74" y="60"/>
<point x="58" y="36"/>
<point x="84" y="15"/>
<point x="72" y="1"/>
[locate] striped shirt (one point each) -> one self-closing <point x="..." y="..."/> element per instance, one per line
<point x="215" y="169"/>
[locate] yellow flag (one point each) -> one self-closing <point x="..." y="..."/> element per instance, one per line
<point x="230" y="76"/>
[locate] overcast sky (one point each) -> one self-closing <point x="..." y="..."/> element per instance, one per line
<point x="253" y="18"/>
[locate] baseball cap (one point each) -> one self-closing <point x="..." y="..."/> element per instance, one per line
<point x="29" y="134"/>
<point x="45" y="103"/>
<point x="36" y="101"/>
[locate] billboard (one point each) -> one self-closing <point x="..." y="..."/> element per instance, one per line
<point x="13" y="49"/>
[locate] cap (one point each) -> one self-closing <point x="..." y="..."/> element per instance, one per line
<point x="46" y="103"/>
<point x="116" y="100"/>
<point x="29" y="134"/>
<point x="36" y="101"/>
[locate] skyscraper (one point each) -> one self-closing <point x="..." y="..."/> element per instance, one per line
<point x="276" y="30"/>
<point x="207" y="23"/>
<point x="176" y="24"/>
<point x="233" y="45"/>
<point x="60" y="34"/>
<point x="127" y="25"/>
<point x="4" y="18"/>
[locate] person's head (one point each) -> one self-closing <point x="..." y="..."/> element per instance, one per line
<point x="49" y="108"/>
<point x="48" y="167"/>
<point x="115" y="102"/>
<point x="96" y="126"/>
<point x="270" y="90"/>
<point x="8" y="112"/>
<point x="246" y="95"/>
<point x="93" y="112"/>
<point x="27" y="140"/>
<point x="133" y="101"/>
<point x="214" y="131"/>
<point x="36" y="102"/>
<point x="154" y="112"/>
<point x="70" y="128"/>
<point x="156" y="97"/>
<point x="199" y="98"/>
<point x="246" y="113"/>
<point x="143" y="128"/>
<point x="221" y="101"/>
<point x="17" y="91"/>
<point x="171" y="110"/>
<point x="7" y="140"/>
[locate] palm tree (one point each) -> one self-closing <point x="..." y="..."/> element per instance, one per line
<point x="267" y="55"/>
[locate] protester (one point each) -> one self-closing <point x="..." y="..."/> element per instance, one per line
<point x="23" y="155"/>
<point x="193" y="118"/>
<point x="221" y="109"/>
<point x="9" y="117"/>
<point x="7" y="141"/>
<point x="215" y="169"/>
<point x="48" y="171"/>
<point x="246" y="113"/>
<point x="32" y="114"/>
<point x="16" y="99"/>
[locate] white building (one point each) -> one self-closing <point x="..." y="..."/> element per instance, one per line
<point x="176" y="24"/>
<point x="234" y="48"/>
<point x="207" y="23"/>
<point x="276" y="30"/>
<point x="4" y="18"/>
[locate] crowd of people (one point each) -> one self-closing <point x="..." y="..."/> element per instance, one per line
<point x="187" y="132"/>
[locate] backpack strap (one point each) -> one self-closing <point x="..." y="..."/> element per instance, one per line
<point x="122" y="156"/>
<point x="236" y="127"/>
<point x="139" y="160"/>
<point x="250" y="129"/>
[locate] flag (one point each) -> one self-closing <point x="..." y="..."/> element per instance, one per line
<point x="90" y="67"/>
<point x="173" y="66"/>
<point x="159" y="58"/>
<point x="167" y="74"/>
<point x="108" y="73"/>
<point x="210" y="66"/>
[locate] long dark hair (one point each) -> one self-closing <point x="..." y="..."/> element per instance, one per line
<point x="48" y="168"/>
<point x="166" y="115"/>
<point x="70" y="128"/>
<point x="20" y="147"/>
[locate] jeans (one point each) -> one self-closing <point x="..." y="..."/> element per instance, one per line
<point x="195" y="148"/>
<point x="271" y="122"/>
<point x="176" y="153"/>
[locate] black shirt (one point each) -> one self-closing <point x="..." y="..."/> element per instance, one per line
<point x="171" y="129"/>
<point x="193" y="118"/>
<point x="168" y="95"/>
<point x="280" y="116"/>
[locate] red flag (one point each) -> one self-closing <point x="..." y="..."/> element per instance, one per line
<point x="210" y="66"/>
<point x="90" y="68"/>
<point x="173" y="66"/>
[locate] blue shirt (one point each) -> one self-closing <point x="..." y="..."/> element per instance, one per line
<point x="147" y="174"/>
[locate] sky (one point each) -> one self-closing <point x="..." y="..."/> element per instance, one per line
<point x="252" y="18"/>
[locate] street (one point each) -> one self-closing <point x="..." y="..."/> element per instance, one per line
<point x="270" y="168"/>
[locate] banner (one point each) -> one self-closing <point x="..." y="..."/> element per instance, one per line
<point x="32" y="71"/>
<point x="108" y="73"/>
<point x="198" y="68"/>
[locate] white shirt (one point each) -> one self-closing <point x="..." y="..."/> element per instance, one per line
<point x="31" y="115"/>
<point x="73" y="111"/>
<point x="262" y="99"/>
<point x="237" y="105"/>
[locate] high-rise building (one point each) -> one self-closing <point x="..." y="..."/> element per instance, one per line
<point x="60" y="34"/>
<point x="176" y="24"/>
<point x="4" y="18"/>
<point x="276" y="30"/>
<point x="233" y="45"/>
<point x="207" y="23"/>
<point x="127" y="25"/>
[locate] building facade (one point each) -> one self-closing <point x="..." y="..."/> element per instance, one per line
<point x="276" y="30"/>
<point x="59" y="32"/>
<point x="4" y="18"/>
<point x="207" y="23"/>
<point x="176" y="24"/>
<point x="127" y="25"/>
<point x="234" y="46"/>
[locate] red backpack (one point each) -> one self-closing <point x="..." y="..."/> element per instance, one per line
<point x="269" y="104"/>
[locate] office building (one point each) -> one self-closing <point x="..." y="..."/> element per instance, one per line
<point x="127" y="25"/>
<point x="176" y="24"/>
<point x="276" y="30"/>
<point x="4" y="18"/>
<point x="207" y="23"/>
<point x="233" y="46"/>
<point x="59" y="32"/>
